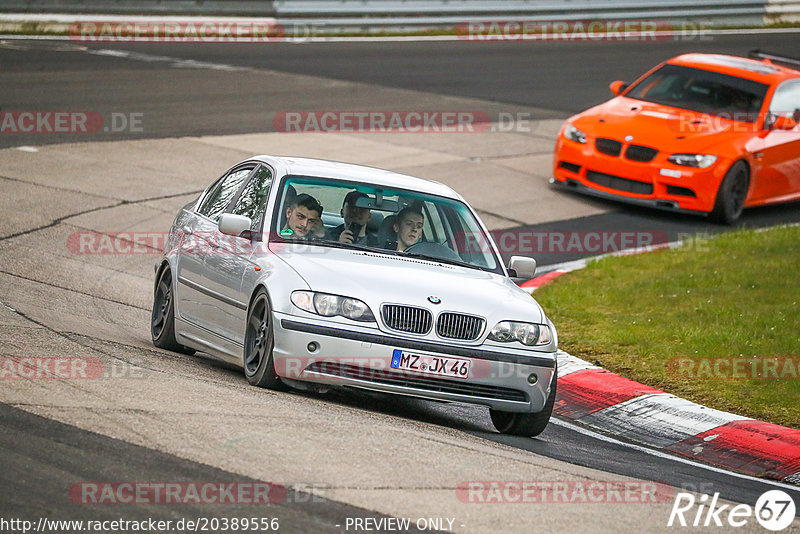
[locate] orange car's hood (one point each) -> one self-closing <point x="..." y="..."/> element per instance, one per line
<point x="655" y="125"/>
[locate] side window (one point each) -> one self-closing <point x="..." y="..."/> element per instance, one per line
<point x="253" y="200"/>
<point x="220" y="196"/>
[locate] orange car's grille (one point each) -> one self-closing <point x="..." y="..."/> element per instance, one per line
<point x="619" y="183"/>
<point x="608" y="147"/>
<point x="611" y="147"/>
<point x="644" y="154"/>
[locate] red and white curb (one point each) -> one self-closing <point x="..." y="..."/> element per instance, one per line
<point x="612" y="404"/>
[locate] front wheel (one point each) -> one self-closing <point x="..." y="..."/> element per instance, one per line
<point x="526" y="424"/>
<point x="731" y="194"/>
<point x="259" y="367"/>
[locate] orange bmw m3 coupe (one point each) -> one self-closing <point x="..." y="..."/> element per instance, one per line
<point x="704" y="133"/>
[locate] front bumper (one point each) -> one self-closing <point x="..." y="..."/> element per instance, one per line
<point x="655" y="203"/>
<point x="327" y="353"/>
<point x="655" y="184"/>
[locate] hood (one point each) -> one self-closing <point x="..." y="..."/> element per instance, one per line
<point x="381" y="278"/>
<point x="662" y="127"/>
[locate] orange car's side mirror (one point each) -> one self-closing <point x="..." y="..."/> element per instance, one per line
<point x="617" y="87"/>
<point x="783" y="123"/>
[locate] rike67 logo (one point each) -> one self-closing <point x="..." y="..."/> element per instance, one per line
<point x="774" y="510"/>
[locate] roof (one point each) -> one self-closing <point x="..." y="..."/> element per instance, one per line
<point x="357" y="173"/>
<point x="752" y="69"/>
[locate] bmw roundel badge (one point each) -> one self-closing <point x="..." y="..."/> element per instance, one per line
<point x="434" y="300"/>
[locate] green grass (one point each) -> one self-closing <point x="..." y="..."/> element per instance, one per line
<point x="734" y="295"/>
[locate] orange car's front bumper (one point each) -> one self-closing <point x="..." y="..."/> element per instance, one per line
<point x="656" y="183"/>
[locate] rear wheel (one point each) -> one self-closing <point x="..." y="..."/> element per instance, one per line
<point x="731" y="194"/>
<point x="526" y="424"/>
<point x="162" y="321"/>
<point x="259" y="367"/>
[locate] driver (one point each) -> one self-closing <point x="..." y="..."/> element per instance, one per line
<point x="302" y="218"/>
<point x="408" y="227"/>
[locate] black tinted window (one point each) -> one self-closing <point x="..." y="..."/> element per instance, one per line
<point x="702" y="90"/>
<point x="221" y="194"/>
<point x="253" y="199"/>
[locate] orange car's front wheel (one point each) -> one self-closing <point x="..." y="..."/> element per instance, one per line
<point x="731" y="194"/>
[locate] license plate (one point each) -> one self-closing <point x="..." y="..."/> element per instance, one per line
<point x="430" y="365"/>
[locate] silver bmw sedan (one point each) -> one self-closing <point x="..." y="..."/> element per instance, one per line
<point x="315" y="274"/>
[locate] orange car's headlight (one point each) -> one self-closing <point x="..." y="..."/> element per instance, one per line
<point x="700" y="161"/>
<point x="574" y="134"/>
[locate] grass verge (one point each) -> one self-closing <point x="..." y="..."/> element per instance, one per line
<point x="716" y="321"/>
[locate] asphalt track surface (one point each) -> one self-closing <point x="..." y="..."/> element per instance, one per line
<point x="549" y="79"/>
<point x="35" y="448"/>
<point x="511" y="76"/>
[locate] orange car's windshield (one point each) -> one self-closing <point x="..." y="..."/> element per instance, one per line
<point x="704" y="91"/>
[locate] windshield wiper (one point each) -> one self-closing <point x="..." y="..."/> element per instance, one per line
<point x="438" y="259"/>
<point x="337" y="244"/>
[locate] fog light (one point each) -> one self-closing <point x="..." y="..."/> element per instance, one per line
<point x="533" y="378"/>
<point x="312" y="347"/>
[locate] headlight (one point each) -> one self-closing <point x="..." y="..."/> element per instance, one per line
<point x="574" y="134"/>
<point x="529" y="334"/>
<point x="693" y="160"/>
<point x="332" y="305"/>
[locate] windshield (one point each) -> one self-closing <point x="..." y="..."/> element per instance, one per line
<point x="333" y="213"/>
<point x="703" y="91"/>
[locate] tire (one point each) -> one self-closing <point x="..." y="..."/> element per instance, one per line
<point x="731" y="194"/>
<point x="162" y="320"/>
<point x="259" y="342"/>
<point x="526" y="424"/>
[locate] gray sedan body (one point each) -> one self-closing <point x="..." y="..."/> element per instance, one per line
<point x="439" y="320"/>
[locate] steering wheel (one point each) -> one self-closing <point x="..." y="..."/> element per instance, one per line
<point x="436" y="250"/>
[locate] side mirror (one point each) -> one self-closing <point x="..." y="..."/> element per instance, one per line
<point x="523" y="266"/>
<point x="783" y="123"/>
<point x="234" y="224"/>
<point x="618" y="87"/>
